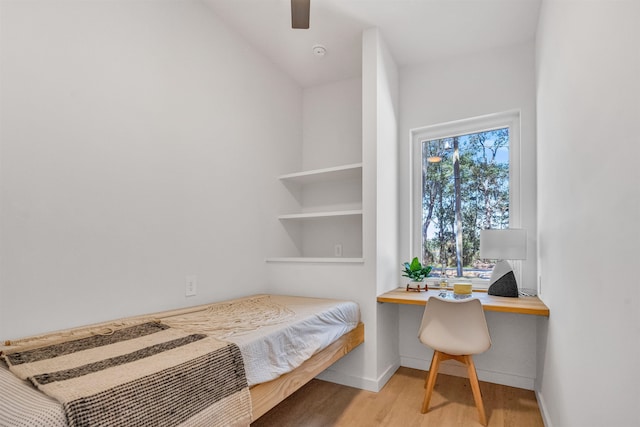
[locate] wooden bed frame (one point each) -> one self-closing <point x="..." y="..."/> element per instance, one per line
<point x="266" y="396"/>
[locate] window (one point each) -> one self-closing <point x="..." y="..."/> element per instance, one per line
<point x="465" y="178"/>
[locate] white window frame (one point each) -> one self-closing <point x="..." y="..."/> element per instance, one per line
<point x="510" y="119"/>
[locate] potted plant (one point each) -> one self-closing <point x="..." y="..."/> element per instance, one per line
<point x="417" y="273"/>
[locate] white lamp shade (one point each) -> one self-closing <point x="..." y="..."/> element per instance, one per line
<point x="503" y="244"/>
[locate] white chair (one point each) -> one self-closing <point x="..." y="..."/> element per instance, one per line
<point x="454" y="329"/>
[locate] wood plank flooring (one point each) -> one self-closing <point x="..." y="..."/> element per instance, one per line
<point x="321" y="404"/>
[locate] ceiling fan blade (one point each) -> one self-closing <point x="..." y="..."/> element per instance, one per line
<point x="300" y="14"/>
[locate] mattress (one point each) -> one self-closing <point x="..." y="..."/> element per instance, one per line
<point x="304" y="327"/>
<point x="274" y="350"/>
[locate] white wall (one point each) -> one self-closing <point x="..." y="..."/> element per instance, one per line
<point x="588" y="63"/>
<point x="139" y="141"/>
<point x="387" y="199"/>
<point x="332" y="124"/>
<point x="454" y="89"/>
<point x="380" y="196"/>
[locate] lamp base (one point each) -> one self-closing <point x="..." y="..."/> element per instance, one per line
<point x="503" y="281"/>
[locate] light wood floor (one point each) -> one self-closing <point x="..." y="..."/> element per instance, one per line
<point x="320" y="403"/>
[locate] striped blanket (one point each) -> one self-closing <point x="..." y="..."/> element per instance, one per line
<point x="142" y="375"/>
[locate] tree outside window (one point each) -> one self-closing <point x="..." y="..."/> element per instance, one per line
<point x="465" y="188"/>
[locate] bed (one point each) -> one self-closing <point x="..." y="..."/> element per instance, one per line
<point x="284" y="342"/>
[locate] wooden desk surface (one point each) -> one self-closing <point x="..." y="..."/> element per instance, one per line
<point x="521" y="305"/>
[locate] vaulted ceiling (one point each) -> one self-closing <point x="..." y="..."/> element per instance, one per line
<point x="416" y="31"/>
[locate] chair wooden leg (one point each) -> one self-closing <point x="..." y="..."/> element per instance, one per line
<point x="426" y="378"/>
<point x="475" y="387"/>
<point x="431" y="380"/>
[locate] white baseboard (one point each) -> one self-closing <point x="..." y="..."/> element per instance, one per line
<point x="447" y="367"/>
<point x="387" y="374"/>
<point x="368" y="384"/>
<point x="543" y="409"/>
<point x="450" y="367"/>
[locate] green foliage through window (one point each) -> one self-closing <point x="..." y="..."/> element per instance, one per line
<point x="465" y="188"/>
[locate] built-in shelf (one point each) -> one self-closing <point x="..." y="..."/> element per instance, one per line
<point x="316" y="260"/>
<point x="337" y="173"/>
<point x="316" y="215"/>
<point x="327" y="219"/>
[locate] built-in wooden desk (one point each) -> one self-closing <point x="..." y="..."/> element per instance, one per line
<point x="521" y="305"/>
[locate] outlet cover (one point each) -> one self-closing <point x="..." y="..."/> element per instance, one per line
<point x="337" y="250"/>
<point x="191" y="286"/>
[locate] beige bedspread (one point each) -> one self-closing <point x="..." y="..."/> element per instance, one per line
<point x="147" y="374"/>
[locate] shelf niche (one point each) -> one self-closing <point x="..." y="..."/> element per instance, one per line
<point x="329" y="213"/>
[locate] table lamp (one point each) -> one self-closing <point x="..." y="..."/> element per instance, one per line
<point x="503" y="245"/>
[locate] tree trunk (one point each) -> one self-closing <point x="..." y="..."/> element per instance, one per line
<point x="458" y="205"/>
<point x="441" y="231"/>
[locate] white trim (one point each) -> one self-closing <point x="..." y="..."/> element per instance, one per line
<point x="543" y="409"/>
<point x="451" y="367"/>
<point x="387" y="374"/>
<point x="466" y="126"/>
<point x="510" y="119"/>
<point x="368" y="384"/>
<point x="315" y="215"/>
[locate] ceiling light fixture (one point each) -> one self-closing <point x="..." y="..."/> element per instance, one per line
<point x="436" y="149"/>
<point x="319" y="50"/>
